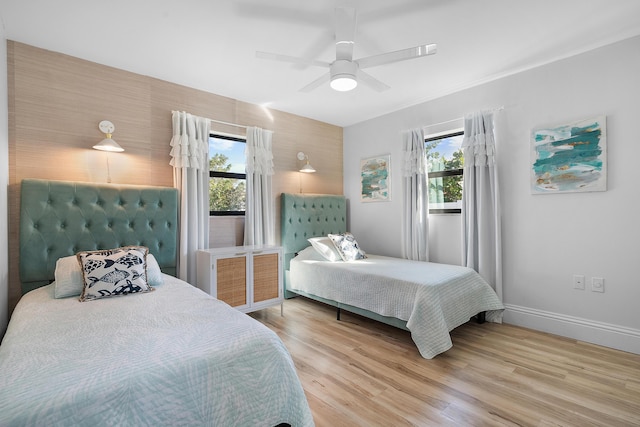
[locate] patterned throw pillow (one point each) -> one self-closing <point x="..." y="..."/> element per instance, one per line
<point x="114" y="272"/>
<point x="70" y="282"/>
<point x="347" y="246"/>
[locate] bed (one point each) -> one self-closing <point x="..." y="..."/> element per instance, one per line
<point x="427" y="299"/>
<point x="172" y="355"/>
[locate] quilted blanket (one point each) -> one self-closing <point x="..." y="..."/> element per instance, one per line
<point x="174" y="356"/>
<point x="432" y="298"/>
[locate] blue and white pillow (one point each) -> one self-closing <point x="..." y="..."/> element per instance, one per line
<point x="70" y="282"/>
<point x="347" y="246"/>
<point x="112" y="272"/>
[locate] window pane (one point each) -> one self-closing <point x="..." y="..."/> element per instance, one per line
<point x="227" y="194"/>
<point x="445" y="154"/>
<point x="226" y="155"/>
<point x="445" y="192"/>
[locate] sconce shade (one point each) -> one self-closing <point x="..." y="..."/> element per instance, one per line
<point x="108" y="144"/>
<point x="307" y="168"/>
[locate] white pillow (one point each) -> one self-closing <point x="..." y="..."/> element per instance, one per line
<point x="114" y="272"/>
<point x="69" y="281"/>
<point x="347" y="246"/>
<point x="324" y="246"/>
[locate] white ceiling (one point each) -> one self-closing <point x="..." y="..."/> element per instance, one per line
<point x="210" y="45"/>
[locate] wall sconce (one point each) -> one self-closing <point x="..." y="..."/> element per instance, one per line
<point x="307" y="168"/>
<point x="108" y="144"/>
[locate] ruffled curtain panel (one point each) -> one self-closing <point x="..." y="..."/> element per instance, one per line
<point x="481" y="230"/>
<point x="415" y="224"/>
<point x="190" y="161"/>
<point x="259" y="222"/>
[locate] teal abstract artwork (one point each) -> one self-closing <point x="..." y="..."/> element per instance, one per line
<point x="570" y="158"/>
<point x="375" y="177"/>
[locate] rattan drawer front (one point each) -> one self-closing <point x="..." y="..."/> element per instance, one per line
<point x="231" y="278"/>
<point x="265" y="277"/>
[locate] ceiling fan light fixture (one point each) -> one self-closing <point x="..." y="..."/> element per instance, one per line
<point x="343" y="75"/>
<point x="343" y="82"/>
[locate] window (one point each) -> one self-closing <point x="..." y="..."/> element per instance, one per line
<point x="227" y="175"/>
<point x="445" y="162"/>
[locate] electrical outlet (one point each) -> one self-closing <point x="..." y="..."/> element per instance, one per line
<point x="597" y="284"/>
<point x="578" y="281"/>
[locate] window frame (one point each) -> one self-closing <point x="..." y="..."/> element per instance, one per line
<point x="232" y="175"/>
<point x="445" y="173"/>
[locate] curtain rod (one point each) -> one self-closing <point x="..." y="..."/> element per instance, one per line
<point x="229" y="124"/>
<point x="233" y="124"/>
<point x="493" y="110"/>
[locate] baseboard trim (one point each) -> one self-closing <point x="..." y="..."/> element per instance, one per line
<point x="606" y="334"/>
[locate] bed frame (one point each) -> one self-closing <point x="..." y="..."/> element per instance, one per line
<point x="60" y="218"/>
<point x="314" y="215"/>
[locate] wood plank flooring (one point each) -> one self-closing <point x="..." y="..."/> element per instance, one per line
<point x="357" y="372"/>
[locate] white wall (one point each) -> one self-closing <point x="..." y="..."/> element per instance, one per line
<point x="546" y="238"/>
<point x="4" y="182"/>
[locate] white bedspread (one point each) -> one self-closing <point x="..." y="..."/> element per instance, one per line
<point x="174" y="356"/>
<point x="432" y="298"/>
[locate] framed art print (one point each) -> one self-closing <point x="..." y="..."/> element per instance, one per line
<point x="570" y="157"/>
<point x="375" y="174"/>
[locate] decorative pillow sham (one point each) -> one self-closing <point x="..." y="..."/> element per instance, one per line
<point x="325" y="247"/>
<point x="347" y="246"/>
<point x="69" y="281"/>
<point x="114" y="272"/>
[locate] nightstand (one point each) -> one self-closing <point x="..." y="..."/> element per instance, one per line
<point x="247" y="278"/>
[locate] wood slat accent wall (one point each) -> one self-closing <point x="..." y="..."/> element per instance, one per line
<point x="56" y="102"/>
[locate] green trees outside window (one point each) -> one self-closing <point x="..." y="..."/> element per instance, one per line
<point x="445" y="162"/>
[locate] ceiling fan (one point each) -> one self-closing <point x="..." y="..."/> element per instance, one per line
<point x="345" y="72"/>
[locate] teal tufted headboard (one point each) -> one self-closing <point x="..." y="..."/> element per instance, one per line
<point x="60" y="218"/>
<point x="309" y="215"/>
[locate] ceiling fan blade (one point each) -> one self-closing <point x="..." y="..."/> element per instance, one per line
<point x="291" y="59"/>
<point x="345" y="32"/>
<point x="316" y="83"/>
<point x="398" y="55"/>
<point x="371" y="81"/>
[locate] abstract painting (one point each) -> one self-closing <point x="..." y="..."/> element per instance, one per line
<point x="570" y="158"/>
<point x="376" y="177"/>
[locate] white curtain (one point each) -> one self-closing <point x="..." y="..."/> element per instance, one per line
<point x="259" y="220"/>
<point x="415" y="185"/>
<point x="190" y="161"/>
<point x="481" y="246"/>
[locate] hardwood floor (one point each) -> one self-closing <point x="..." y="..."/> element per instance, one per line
<point x="357" y="372"/>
